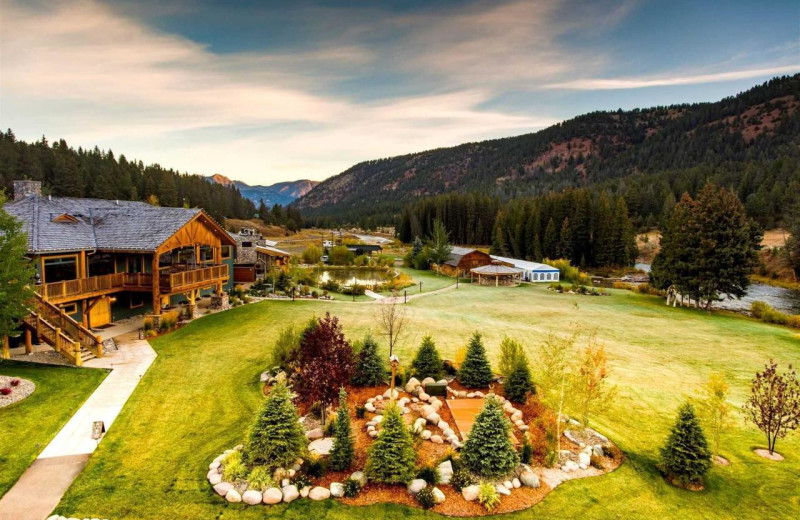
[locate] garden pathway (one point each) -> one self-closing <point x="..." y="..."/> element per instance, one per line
<point x="399" y="299"/>
<point x="41" y="487"/>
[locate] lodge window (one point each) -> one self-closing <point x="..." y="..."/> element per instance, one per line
<point x="137" y="300"/>
<point x="100" y="264"/>
<point x="135" y="264"/>
<point x="247" y="244"/>
<point x="60" y="269"/>
<point x="70" y="308"/>
<point x="226" y="252"/>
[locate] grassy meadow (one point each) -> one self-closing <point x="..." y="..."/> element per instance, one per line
<point x="200" y="395"/>
<point x="27" y="426"/>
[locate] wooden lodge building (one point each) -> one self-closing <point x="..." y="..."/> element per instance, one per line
<point x="463" y="259"/>
<point x="103" y="260"/>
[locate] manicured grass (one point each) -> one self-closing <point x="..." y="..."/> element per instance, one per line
<point x="430" y="280"/>
<point x="201" y="392"/>
<point x="28" y="425"/>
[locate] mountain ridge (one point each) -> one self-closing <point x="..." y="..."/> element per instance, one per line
<point x="282" y="193"/>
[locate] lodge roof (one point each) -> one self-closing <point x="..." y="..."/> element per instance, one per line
<point x="458" y="252"/>
<point x="272" y="251"/>
<point x="96" y="223"/>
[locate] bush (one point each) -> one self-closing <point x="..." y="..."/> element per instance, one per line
<point x="260" y="478"/>
<point x="557" y="287"/>
<point x="233" y="467"/>
<point x="360" y="411"/>
<point x="460" y="355"/>
<point x="429" y="474"/>
<point x="427" y="362"/>
<point x="355" y="290"/>
<point x="276" y="438"/>
<point x="331" y="285"/>
<point x="519" y="383"/>
<point x="286" y="348"/>
<point x="568" y="273"/>
<point x="488" y="496"/>
<point x="527" y="450"/>
<point x="370" y="366"/>
<point x="511" y="352"/>
<point x="543" y="433"/>
<point x="391" y="457"/>
<point x="425" y="498"/>
<point x="340" y="255"/>
<point x="686" y="456"/>
<point x="488" y="451"/>
<point x="316" y="468"/>
<point x="475" y="371"/>
<point x="461" y="478"/>
<point x="312" y="255"/>
<point x="765" y="313"/>
<point x="351" y="488"/>
<point x="5" y="390"/>
<point x="343" y="449"/>
<point x="15" y="382"/>
<point x="329" y="427"/>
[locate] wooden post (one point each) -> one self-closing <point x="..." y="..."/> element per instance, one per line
<point x="99" y="346"/>
<point x="76" y="348"/>
<point x="57" y="341"/>
<point x="156" y="285"/>
<point x="28" y="342"/>
<point x="6" y="348"/>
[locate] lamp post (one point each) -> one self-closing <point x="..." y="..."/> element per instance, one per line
<point x="420" y="286"/>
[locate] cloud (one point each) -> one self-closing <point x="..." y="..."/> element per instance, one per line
<point x="670" y="81"/>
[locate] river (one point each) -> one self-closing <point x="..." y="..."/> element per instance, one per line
<point x="779" y="298"/>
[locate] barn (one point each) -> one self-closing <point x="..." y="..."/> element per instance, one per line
<point x="463" y="259"/>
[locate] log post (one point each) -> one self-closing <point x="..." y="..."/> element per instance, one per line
<point x="156" y="285"/>
<point x="28" y="342"/>
<point x="6" y="348"/>
<point x="57" y="340"/>
<point x="76" y="348"/>
<point x="99" y="346"/>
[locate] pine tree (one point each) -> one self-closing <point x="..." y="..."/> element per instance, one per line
<point x="475" y="371"/>
<point x="550" y="246"/>
<point x="488" y="451"/>
<point x="427" y="362"/>
<point x="392" y="457"/>
<point x="276" y="438"/>
<point x="686" y="456"/>
<point x="15" y="275"/>
<point x="370" y="367"/>
<point x="519" y="383"/>
<point x="343" y="449"/>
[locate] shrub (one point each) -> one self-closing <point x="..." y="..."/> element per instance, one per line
<point x="316" y="468"/>
<point x="460" y="355"/>
<point x="461" y="478"/>
<point x="488" y="496"/>
<point x="391" y="457"/>
<point x="260" y="478"/>
<point x="331" y="285"/>
<point x="475" y="371"/>
<point x="276" y="438"/>
<point x="312" y="255"/>
<point x="568" y="273"/>
<point x="15" y="382"/>
<point x="488" y="451"/>
<point x="557" y="287"/>
<point x="527" y="450"/>
<point x="284" y="353"/>
<point x="767" y="314"/>
<point x="519" y="383"/>
<point x="5" y="390"/>
<point x="360" y="411"/>
<point x="429" y="473"/>
<point x="343" y="449"/>
<point x="511" y="352"/>
<point x="355" y="290"/>
<point x="351" y="488"/>
<point x="425" y="498"/>
<point x="686" y="456"/>
<point x="147" y="324"/>
<point x="233" y="467"/>
<point x="329" y="427"/>
<point x="370" y="366"/>
<point x="427" y="362"/>
<point x="340" y="255"/>
<point x="543" y="433"/>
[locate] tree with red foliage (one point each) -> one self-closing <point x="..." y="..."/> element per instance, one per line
<point x="325" y="363"/>
<point x="774" y="403"/>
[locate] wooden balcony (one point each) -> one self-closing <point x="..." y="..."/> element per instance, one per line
<point x="186" y="279"/>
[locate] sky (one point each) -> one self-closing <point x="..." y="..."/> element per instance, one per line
<point x="269" y="91"/>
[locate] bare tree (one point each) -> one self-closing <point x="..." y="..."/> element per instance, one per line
<point x="392" y="320"/>
<point x="774" y="403"/>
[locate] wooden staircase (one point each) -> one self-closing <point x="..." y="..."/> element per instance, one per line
<point x="57" y="329"/>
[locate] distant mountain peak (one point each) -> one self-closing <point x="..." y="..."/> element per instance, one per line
<point x="282" y="193"/>
<point x="218" y="178"/>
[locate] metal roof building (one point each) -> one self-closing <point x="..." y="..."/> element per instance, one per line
<point x="532" y="271"/>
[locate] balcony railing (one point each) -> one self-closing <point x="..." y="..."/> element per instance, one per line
<point x="192" y="278"/>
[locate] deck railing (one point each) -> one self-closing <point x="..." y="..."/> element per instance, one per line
<point x="76" y="331"/>
<point x="193" y="277"/>
<point x="56" y="338"/>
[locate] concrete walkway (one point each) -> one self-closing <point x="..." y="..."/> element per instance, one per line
<point x="400" y="299"/>
<point x="41" y="487"/>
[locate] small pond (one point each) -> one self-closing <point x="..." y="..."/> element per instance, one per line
<point x="350" y="277"/>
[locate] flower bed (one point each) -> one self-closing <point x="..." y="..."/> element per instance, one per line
<point x="14" y="389"/>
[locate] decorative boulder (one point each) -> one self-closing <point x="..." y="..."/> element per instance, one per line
<point x="251" y="497"/>
<point x="424" y="397"/>
<point x="290" y="493"/>
<point x="412" y="384"/>
<point x="516" y="416"/>
<point x="427" y="410"/>
<point x="416" y="486"/>
<point x="319" y="493"/>
<point x="438" y="495"/>
<point x="529" y="478"/>
<point x="516" y="483"/>
<point x="389" y="394"/>
<point x="359" y="477"/>
<point x="570" y="466"/>
<point x="436" y="439"/>
<point x="502" y="490"/>
<point x="426" y="435"/>
<point x="272" y="496"/>
<point x="428" y="381"/>
<point x="377" y="419"/>
<point x="470" y="493"/>
<point x="337" y="489"/>
<point x="222" y="488"/>
<point x="598" y="451"/>
<point x="214" y="479"/>
<point x="442" y="425"/>
<point x="445" y="470"/>
<point x="321" y="446"/>
<point x="314" y="434"/>
<point x="214" y="465"/>
<point x="233" y="496"/>
<point x="584" y="458"/>
<point x="434" y="418"/>
<point x="447" y="432"/>
<point x="370" y="407"/>
<point x="305" y="491"/>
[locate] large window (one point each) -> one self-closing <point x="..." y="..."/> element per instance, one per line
<point x="135" y="264"/>
<point x="60" y="269"/>
<point x="101" y="264"/>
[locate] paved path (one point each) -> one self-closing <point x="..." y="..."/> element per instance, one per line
<point x="400" y="299"/>
<point x="41" y="487"/>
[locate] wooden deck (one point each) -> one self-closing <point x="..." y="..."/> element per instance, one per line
<point x="464" y="412"/>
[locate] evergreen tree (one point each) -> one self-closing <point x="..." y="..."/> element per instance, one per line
<point x="276" y="438"/>
<point x="343" y="449"/>
<point x="488" y="451"/>
<point x="686" y="456"/>
<point x="550" y="245"/>
<point x="519" y="384"/>
<point x="391" y="457"/>
<point x="440" y="244"/>
<point x="475" y="371"/>
<point x="427" y="362"/>
<point x="16" y="273"/>
<point x="370" y="367"/>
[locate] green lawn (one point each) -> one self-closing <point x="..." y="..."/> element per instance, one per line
<point x="201" y="392"/>
<point x="28" y="425"/>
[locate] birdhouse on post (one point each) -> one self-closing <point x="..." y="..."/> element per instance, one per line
<point x="395" y="362"/>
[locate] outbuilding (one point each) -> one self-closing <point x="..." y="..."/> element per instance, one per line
<point x="497" y="275"/>
<point x="462" y="259"/>
<point x="531" y="271"/>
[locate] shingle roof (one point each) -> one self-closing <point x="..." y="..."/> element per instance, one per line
<point x="496" y="270"/>
<point x="457" y="252"/>
<point x="100" y="224"/>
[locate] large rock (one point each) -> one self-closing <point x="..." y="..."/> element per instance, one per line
<point x="438" y="495"/>
<point x="412" y="384"/>
<point x="427" y="410"/>
<point x="370" y="408"/>
<point x="437" y="439"/>
<point x="419" y="425"/>
<point x="570" y="465"/>
<point x="447" y="432"/>
<point x="529" y="478"/>
<point x="584" y="458"/>
<point x="423" y="397"/>
<point x="416" y="486"/>
<point x="445" y="470"/>
<point x="359" y="477"/>
<point x="443" y="425"/>
<point x="233" y="496"/>
<point x="389" y="394"/>
<point x="319" y="493"/>
<point x="214" y="479"/>
<point x="516" y="416"/>
<point x="337" y="489"/>
<point x="428" y="381"/>
<point x="470" y="493"/>
<point x="516" y="483"/>
<point x="251" y="497"/>
<point x="273" y="495"/>
<point x="321" y="446"/>
<point x="305" y="491"/>
<point x="314" y="434"/>
<point x="426" y="435"/>
<point x="214" y="465"/>
<point x="290" y="493"/>
<point x="222" y="488"/>
<point x="598" y="451"/>
<point x="502" y="490"/>
<point x="433" y="418"/>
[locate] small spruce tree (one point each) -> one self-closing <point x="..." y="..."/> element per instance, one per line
<point x="519" y="384"/>
<point x="276" y="437"/>
<point x="392" y="457"/>
<point x="475" y="371"/>
<point x="427" y="362"/>
<point x="686" y="456"/>
<point x="343" y="449"/>
<point x="370" y="367"/>
<point x="488" y="451"/>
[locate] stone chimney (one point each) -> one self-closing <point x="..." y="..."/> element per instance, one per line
<point x="24" y="189"/>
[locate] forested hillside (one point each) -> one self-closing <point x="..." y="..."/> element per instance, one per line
<point x="750" y="142"/>
<point x="67" y="172"/>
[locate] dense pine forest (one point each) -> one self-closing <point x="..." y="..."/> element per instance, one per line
<point x="750" y="142"/>
<point x="66" y="172"/>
